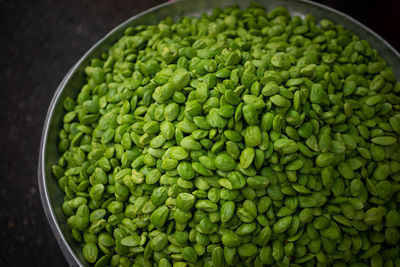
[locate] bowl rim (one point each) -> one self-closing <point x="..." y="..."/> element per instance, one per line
<point x="69" y="254"/>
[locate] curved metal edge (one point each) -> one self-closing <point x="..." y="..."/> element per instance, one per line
<point x="65" y="247"/>
<point x="46" y="204"/>
<point x="353" y="20"/>
<point x="44" y="195"/>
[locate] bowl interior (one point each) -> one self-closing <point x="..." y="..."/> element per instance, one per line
<point x="52" y="196"/>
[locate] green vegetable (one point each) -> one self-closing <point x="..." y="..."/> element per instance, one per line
<point x="90" y="252"/>
<point x="244" y="137"/>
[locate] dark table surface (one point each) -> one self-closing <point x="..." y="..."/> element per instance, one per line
<point x="40" y="41"/>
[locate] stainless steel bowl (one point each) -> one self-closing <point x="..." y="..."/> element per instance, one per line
<point x="51" y="194"/>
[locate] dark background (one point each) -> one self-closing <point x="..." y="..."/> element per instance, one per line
<point x="39" y="42"/>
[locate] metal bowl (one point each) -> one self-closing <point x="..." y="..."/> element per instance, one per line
<point x="52" y="196"/>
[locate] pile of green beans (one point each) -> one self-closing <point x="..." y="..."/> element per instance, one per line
<point x="240" y="138"/>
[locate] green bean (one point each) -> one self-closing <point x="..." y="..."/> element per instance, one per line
<point x="90" y="252"/>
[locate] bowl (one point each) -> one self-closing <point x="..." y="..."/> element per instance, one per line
<point x="52" y="196"/>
